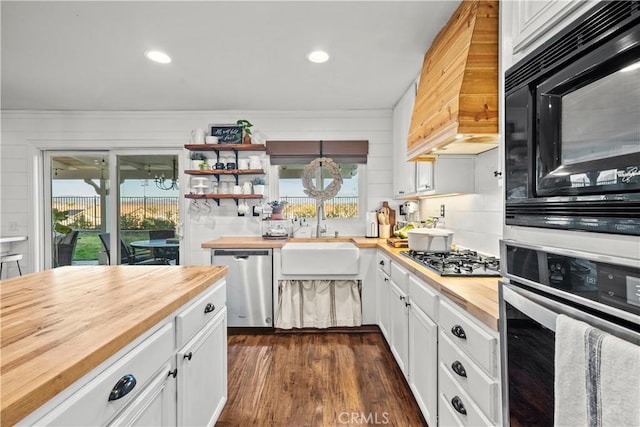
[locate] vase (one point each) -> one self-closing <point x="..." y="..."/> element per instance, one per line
<point x="246" y="139"/>
<point x="259" y="189"/>
<point x="195" y="164"/>
<point x="276" y="212"/>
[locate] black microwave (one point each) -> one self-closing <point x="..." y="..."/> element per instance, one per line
<point x="572" y="127"/>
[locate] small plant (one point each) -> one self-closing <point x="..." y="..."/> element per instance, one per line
<point x="258" y="181"/>
<point x="246" y="125"/>
<point x="198" y="156"/>
<point x="203" y="166"/>
<point x="276" y="203"/>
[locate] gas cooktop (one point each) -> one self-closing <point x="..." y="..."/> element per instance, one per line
<point x="462" y="263"/>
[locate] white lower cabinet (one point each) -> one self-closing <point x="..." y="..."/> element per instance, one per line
<point x="156" y="405"/>
<point x="449" y="357"/>
<point x="423" y="362"/>
<point x="202" y="374"/>
<point x="468" y="377"/>
<point x="399" y="309"/>
<point x="382" y="300"/>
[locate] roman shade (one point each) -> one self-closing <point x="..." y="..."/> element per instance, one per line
<point x="302" y="152"/>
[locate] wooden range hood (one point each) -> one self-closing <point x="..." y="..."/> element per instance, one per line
<point x="456" y="107"/>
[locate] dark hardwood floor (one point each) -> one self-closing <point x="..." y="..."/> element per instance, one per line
<point x="316" y="379"/>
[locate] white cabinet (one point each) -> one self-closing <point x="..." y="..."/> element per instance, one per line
<point x="423" y="362"/>
<point x="468" y="375"/>
<point x="382" y="296"/>
<point x="447" y="175"/>
<point x="116" y="387"/>
<point x="202" y="374"/>
<point x="156" y="405"/>
<point x="398" y="306"/>
<point x="404" y="178"/>
<point x="423" y="348"/>
<point x="535" y="21"/>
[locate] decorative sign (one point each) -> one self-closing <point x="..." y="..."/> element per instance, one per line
<point x="227" y="134"/>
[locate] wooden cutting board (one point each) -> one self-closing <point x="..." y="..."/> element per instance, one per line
<point x="397" y="242"/>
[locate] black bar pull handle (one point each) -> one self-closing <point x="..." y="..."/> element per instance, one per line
<point x="209" y="308"/>
<point x="122" y="387"/>
<point x="188" y="356"/>
<point x="458" y="405"/>
<point x="459" y="369"/>
<point x="459" y="332"/>
<point x="173" y="373"/>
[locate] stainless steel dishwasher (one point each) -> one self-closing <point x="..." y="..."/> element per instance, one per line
<point x="249" y="286"/>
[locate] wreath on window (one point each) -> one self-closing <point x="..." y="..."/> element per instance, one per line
<point x="310" y="172"/>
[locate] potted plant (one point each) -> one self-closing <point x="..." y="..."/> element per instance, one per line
<point x="246" y="130"/>
<point x="276" y="208"/>
<point x="196" y="159"/>
<point x="203" y="166"/>
<point x="258" y="185"/>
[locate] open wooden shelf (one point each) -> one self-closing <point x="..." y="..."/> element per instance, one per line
<point x="223" y="196"/>
<point x="225" y="147"/>
<point x="224" y="171"/>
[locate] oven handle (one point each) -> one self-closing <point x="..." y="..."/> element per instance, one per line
<point x="545" y="311"/>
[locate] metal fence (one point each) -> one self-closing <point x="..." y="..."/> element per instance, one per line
<point x="84" y="212"/>
<point x="305" y="207"/>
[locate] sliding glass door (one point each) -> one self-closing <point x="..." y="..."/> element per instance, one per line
<point x="91" y="222"/>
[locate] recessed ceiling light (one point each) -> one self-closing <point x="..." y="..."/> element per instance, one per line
<point x="318" y="56"/>
<point x="157" y="56"/>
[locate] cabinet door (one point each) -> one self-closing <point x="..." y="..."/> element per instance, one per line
<point x="155" y="406"/>
<point x="399" y="326"/>
<point x="423" y="362"/>
<point x="535" y="22"/>
<point x="382" y="286"/>
<point x="403" y="171"/>
<point x="202" y="374"/>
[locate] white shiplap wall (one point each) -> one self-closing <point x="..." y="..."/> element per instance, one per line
<point x="26" y="133"/>
<point x="475" y="218"/>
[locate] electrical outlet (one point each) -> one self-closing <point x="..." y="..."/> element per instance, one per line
<point x="13" y="226"/>
<point x="441" y="211"/>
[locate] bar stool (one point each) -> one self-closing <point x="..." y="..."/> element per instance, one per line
<point x="10" y="258"/>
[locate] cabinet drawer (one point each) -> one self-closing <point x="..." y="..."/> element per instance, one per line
<point x="451" y="393"/>
<point x="424" y="297"/>
<point x="193" y="318"/>
<point x="484" y="390"/>
<point x="91" y="405"/>
<point x="400" y="277"/>
<point x="384" y="263"/>
<point x="478" y="343"/>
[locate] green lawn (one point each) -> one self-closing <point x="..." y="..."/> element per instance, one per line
<point x="89" y="246"/>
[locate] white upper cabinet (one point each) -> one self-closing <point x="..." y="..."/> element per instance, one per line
<point x="404" y="173"/>
<point x="533" y="22"/>
<point x="447" y="175"/>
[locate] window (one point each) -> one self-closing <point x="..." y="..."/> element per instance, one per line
<point x="343" y="205"/>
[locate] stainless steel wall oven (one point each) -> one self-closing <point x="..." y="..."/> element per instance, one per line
<point x="572" y="133"/>
<point x="539" y="284"/>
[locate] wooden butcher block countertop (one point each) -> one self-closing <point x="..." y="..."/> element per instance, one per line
<point x="477" y="295"/>
<point x="59" y="324"/>
<point x="257" y="242"/>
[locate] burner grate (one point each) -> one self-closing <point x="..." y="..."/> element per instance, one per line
<point x="463" y="263"/>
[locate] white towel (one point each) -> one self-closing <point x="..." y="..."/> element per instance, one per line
<point x="597" y="377"/>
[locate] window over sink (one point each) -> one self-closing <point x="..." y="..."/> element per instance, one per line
<point x="344" y="205"/>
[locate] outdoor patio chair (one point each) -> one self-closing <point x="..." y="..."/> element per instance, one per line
<point x="126" y="256"/>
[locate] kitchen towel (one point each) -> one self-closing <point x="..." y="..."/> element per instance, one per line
<point x="318" y="303"/>
<point x="597" y="379"/>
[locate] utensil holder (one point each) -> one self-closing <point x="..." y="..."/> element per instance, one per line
<point x="384" y="231"/>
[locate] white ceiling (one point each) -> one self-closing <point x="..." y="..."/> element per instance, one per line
<point x="227" y="55"/>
